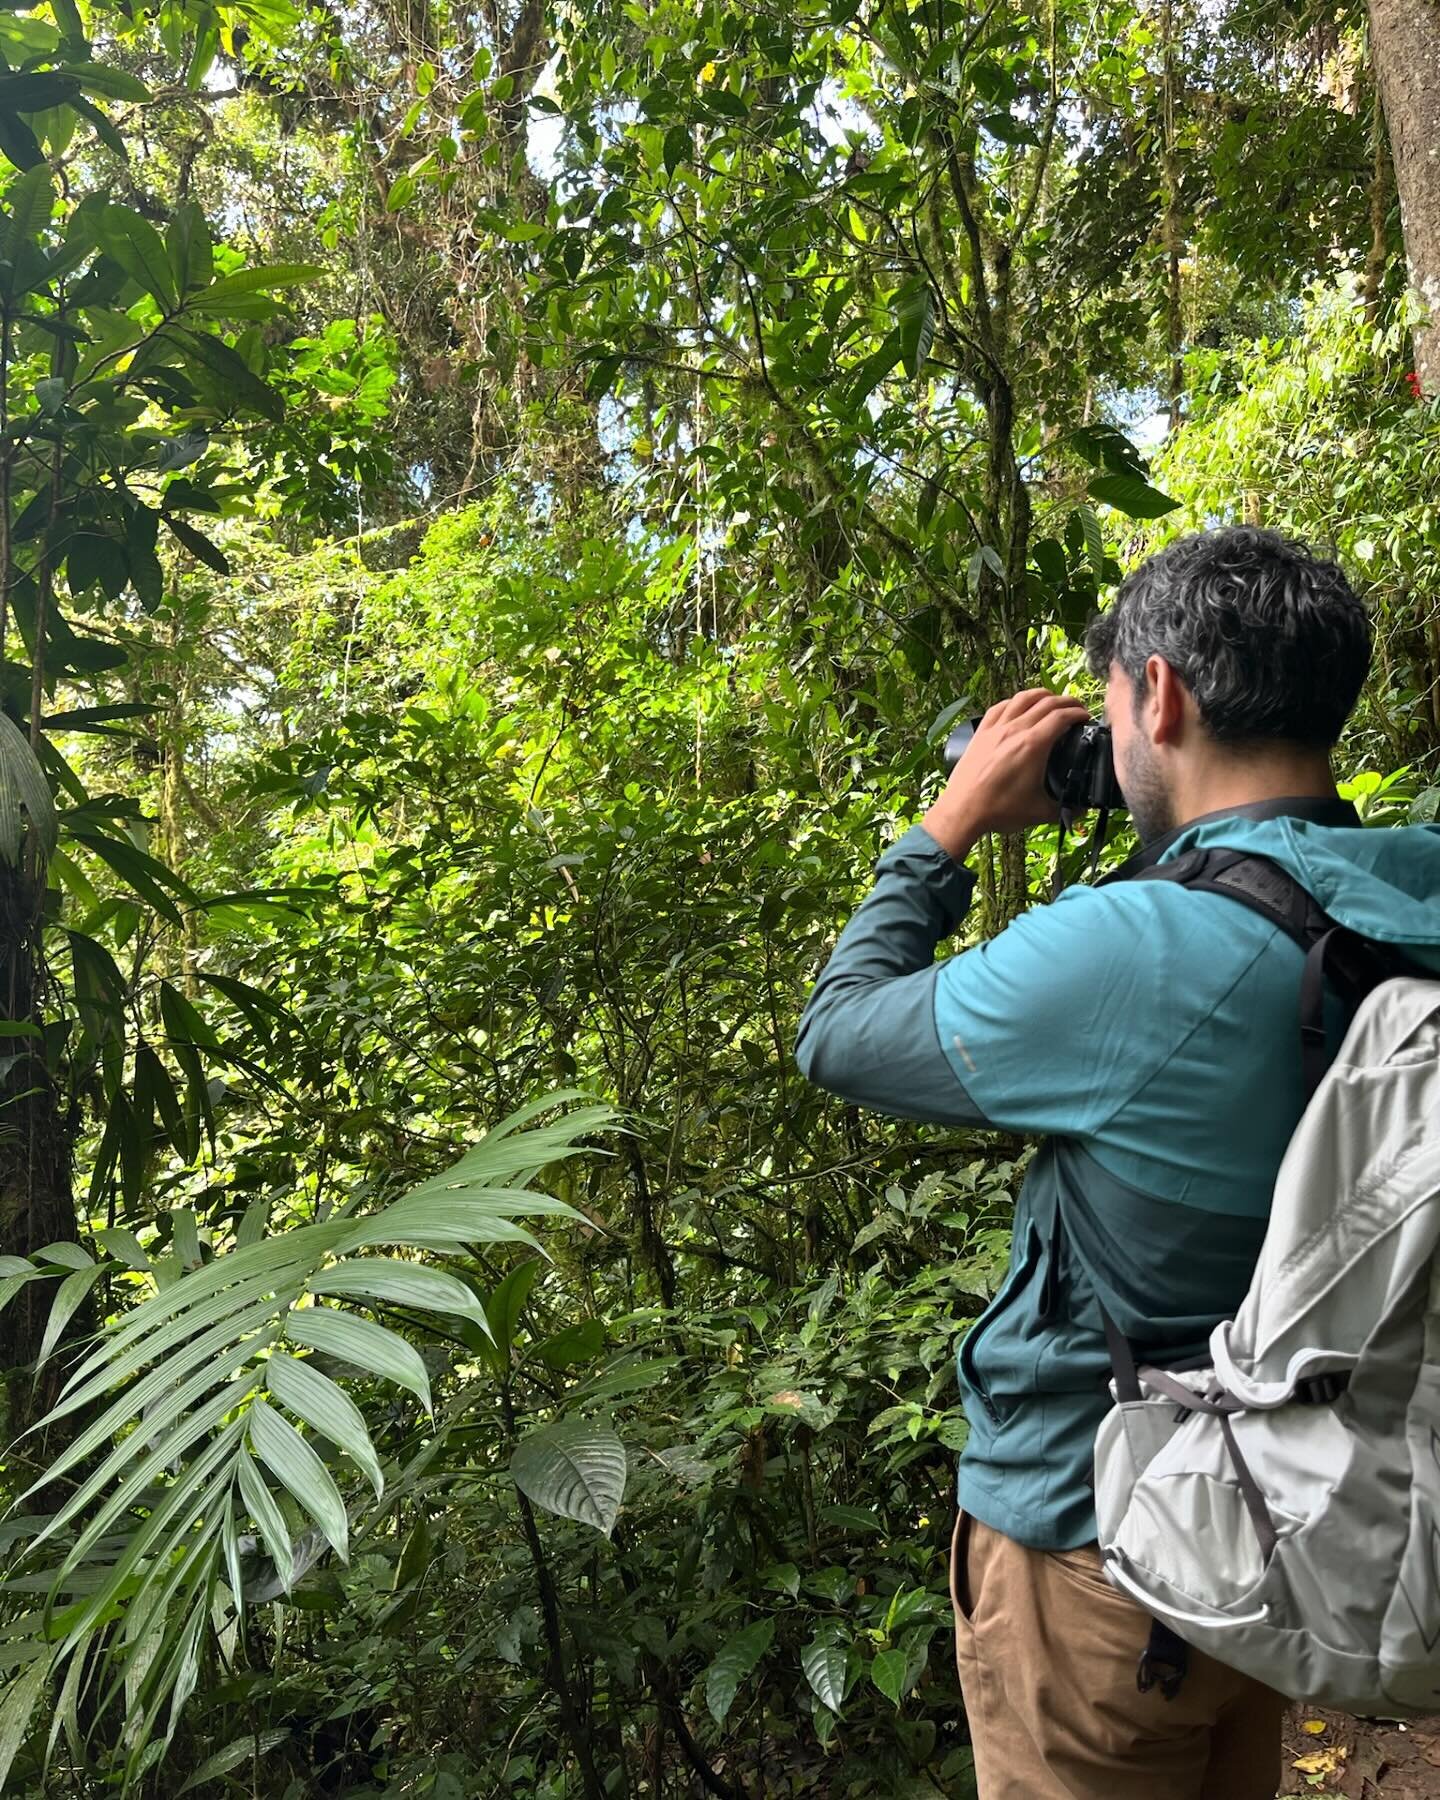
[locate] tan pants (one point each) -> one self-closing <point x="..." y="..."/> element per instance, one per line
<point x="1047" y="1652"/>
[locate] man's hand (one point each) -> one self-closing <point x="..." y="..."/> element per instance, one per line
<point x="999" y="783"/>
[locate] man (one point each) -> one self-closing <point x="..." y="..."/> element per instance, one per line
<point x="1149" y="1033"/>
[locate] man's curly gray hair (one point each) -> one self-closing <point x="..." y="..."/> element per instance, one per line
<point x="1270" y="639"/>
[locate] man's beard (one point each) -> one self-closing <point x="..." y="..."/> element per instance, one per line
<point x="1151" y="810"/>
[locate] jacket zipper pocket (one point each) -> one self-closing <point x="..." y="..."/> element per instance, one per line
<point x="1010" y="1288"/>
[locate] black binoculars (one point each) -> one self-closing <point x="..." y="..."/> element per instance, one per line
<point x="1080" y="775"/>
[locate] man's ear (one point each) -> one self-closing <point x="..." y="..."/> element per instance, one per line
<point x="1165" y="701"/>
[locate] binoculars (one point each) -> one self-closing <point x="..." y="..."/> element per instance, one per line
<point x="1080" y="775"/>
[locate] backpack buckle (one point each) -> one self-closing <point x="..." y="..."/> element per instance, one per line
<point x="1163" y="1662"/>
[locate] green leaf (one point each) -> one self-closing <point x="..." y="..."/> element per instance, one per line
<point x="192" y="254"/>
<point x="124" y="1246"/>
<point x="441" y="1224"/>
<point x="360" y="1341"/>
<point x="1132" y="496"/>
<point x="505" y="1305"/>
<point x="32" y="199"/>
<point x="202" y="58"/>
<point x="183" y="1021"/>
<point x="197" y="544"/>
<point x="679" y="147"/>
<point x="315" y="1398"/>
<point x="103" y="128"/>
<point x="1010" y="130"/>
<point x="237" y="383"/>
<point x="107" y="81"/>
<point x="65" y="1254"/>
<point x="25" y="796"/>
<point x="850" y="1518"/>
<point x="20" y="1701"/>
<point x="238" y="1751"/>
<point x="873" y="370"/>
<point x="185" y="1236"/>
<point x="737" y="1659"/>
<point x="887" y="1672"/>
<point x="917" y="328"/>
<point x="581" y="1342"/>
<point x="18" y="142"/>
<point x="728" y="105"/>
<point x="1094" y="541"/>
<point x="395" y="1283"/>
<point x="36" y="91"/>
<point x="282" y="1449"/>
<point x="260" y="1503"/>
<point x="137" y="246"/>
<point x="824" y="1662"/>
<point x="69" y="1297"/>
<point x="248" y="282"/>
<point x="575" y="1469"/>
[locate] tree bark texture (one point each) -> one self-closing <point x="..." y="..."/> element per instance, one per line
<point x="1405" y="45"/>
<point x="37" y="1205"/>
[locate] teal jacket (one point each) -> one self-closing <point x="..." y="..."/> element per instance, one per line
<point x="1149" y="1034"/>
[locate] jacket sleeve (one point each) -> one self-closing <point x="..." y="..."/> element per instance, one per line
<point x="868" y="1032"/>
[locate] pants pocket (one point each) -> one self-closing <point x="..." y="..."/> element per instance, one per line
<point x="961" y="1598"/>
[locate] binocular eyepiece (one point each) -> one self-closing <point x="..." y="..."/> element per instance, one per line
<point x="1080" y="775"/>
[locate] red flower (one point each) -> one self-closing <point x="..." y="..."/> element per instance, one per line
<point x="1416" y="391"/>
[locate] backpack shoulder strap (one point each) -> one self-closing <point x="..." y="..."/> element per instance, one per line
<point x="1254" y="881"/>
<point x="1333" y="953"/>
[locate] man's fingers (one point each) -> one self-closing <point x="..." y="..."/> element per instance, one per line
<point x="1051" y="721"/>
<point x="1018" y="705"/>
<point x="1027" y="707"/>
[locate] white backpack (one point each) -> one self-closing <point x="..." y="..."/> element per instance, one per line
<point x="1280" y="1509"/>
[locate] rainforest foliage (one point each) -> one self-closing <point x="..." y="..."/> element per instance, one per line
<point x="499" y="503"/>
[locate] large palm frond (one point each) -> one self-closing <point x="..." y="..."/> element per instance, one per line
<point x="199" y="1413"/>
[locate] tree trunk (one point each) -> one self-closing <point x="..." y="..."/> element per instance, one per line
<point x="37" y="1205"/>
<point x="1405" y="45"/>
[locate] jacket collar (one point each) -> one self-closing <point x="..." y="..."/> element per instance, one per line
<point x="1332" y="812"/>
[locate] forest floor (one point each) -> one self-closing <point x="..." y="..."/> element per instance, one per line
<point x="1360" y="1759"/>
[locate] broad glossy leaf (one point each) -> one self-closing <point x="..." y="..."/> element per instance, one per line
<point x="738" y="1658"/>
<point x="887" y="1672"/>
<point x="577" y="1343"/>
<point x="241" y="389"/>
<point x="197" y="544"/>
<point x="18" y="142"/>
<point x="504" y="1307"/>
<point x="137" y="246"/>
<point x="192" y="254"/>
<point x="36" y="91"/>
<point x="576" y="1469"/>
<point x="1132" y="496"/>
<point x="247" y="282"/>
<point x="31" y="199"/>
<point x="107" y="81"/>
<point x="823" y="1661"/>
<point x="286" y="1454"/>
